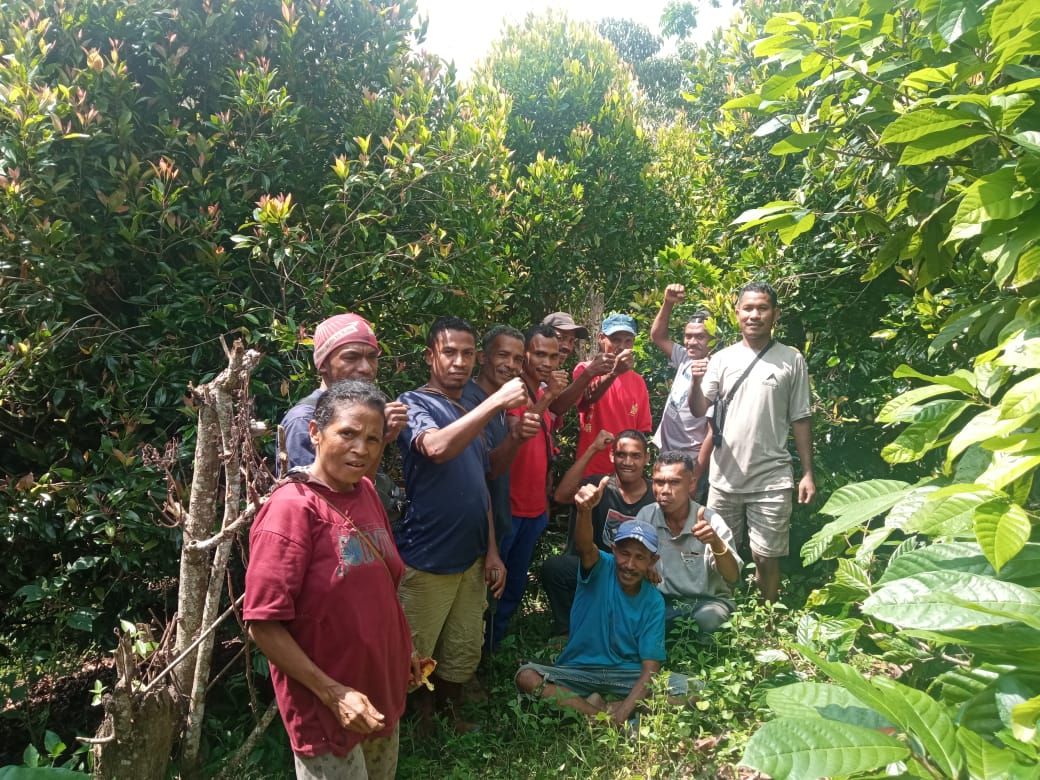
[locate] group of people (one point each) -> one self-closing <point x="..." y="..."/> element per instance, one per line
<point x="353" y="612"/>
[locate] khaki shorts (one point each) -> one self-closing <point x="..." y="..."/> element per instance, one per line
<point x="764" y="516"/>
<point x="446" y="613"/>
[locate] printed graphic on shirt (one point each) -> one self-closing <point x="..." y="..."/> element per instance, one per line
<point x="354" y="552"/>
<point x="611" y="525"/>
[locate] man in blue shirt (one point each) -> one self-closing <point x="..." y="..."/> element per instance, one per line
<point x="446" y="536"/>
<point x="616" y="644"/>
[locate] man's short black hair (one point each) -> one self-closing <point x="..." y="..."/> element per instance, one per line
<point x="500" y="330"/>
<point x="547" y="331"/>
<point x="444" y="324"/>
<point x="632" y="433"/>
<point x="668" y="457"/>
<point x="699" y="317"/>
<point x="759" y="287"/>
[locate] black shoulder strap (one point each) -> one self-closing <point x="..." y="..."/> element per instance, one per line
<point x="733" y="390"/>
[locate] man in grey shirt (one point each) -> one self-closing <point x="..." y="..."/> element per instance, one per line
<point x="679" y="428"/>
<point x="698" y="565"/>
<point x="751" y="475"/>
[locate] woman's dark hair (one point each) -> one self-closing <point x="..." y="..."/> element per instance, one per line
<point x="347" y="392"/>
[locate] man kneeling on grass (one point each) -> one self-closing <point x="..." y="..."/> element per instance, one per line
<point x="617" y="623"/>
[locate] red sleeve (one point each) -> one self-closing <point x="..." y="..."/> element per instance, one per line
<point x="645" y="423"/>
<point x="279" y="555"/>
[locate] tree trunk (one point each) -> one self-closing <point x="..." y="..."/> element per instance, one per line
<point x="146" y="711"/>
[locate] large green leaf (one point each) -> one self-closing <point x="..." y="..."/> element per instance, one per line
<point x="1022" y="351"/>
<point x="961" y="379"/>
<point x="1006" y="468"/>
<point x="904" y="405"/>
<point x="985" y="425"/>
<point x="949" y="556"/>
<point x="946" y="600"/>
<point x="1010" y="643"/>
<point x="949" y="514"/>
<point x="1002" y="528"/>
<point x="865" y="499"/>
<point x="984" y="760"/>
<point x="823" y="700"/>
<point x="909" y="709"/>
<point x="925" y="718"/>
<point x="809" y="748"/>
<point x="1024" y="719"/>
<point x="989" y="198"/>
<point x="948" y="142"/>
<point x="956" y="17"/>
<point x="921" y="436"/>
<point x="1022" y="398"/>
<point x="924" y="122"/>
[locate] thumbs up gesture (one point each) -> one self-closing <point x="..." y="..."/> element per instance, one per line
<point x="588" y="496"/>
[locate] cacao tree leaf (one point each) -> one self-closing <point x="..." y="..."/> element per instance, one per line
<point x="943" y="144"/>
<point x="984" y="760"/>
<point x="924" y="122"/>
<point x="960" y="379"/>
<point x="989" y="198"/>
<point x="1002" y="528"/>
<point x="903" y="406"/>
<point x="946" y="600"/>
<point x="919" y="437"/>
<point x="809" y="748"/>
<point x="948" y="556"/>
<point x="985" y="425"/>
<point x="823" y="700"/>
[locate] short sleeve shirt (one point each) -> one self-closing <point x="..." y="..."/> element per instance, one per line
<point x="611" y="511"/>
<point x="625" y="405"/>
<point x="687" y="565"/>
<point x="753" y="455"/>
<point x="679" y="429"/>
<point x="445" y="527"/>
<point x="610" y="628"/>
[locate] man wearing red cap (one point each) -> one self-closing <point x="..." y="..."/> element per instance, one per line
<point x="345" y="347"/>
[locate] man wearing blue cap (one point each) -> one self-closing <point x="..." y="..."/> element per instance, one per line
<point x="616" y="401"/>
<point x="617" y="623"/>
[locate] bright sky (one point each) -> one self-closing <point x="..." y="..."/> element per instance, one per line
<point x="462" y="30"/>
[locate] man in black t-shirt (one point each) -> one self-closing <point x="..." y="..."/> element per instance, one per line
<point x="627" y="492"/>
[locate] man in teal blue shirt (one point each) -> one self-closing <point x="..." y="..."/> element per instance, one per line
<point x="616" y="644"/>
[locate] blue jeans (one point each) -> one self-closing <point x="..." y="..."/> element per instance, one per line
<point x="516" y="551"/>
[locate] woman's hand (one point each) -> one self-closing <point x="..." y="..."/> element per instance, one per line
<point x="353" y="710"/>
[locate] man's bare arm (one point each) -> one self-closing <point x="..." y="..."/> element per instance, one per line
<point x="571" y="481"/>
<point x="673" y="294"/>
<point x="443" y="444"/>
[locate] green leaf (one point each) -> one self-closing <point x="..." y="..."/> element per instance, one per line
<point x="904" y="405"/>
<point x="945" y="600"/>
<point x="879" y="493"/>
<point x="802" y="225"/>
<point x="1030" y="140"/>
<point x="931" y="147"/>
<point x="1002" y="529"/>
<point x="1020" y="352"/>
<point x="956" y="17"/>
<point x="924" y="122"/>
<point x="1022" y="398"/>
<point x="984" y="760"/>
<point x="1024" y="719"/>
<point x="949" y="556"/>
<point x="961" y="379"/>
<point x="985" y="425"/>
<point x="1028" y="267"/>
<point x="746" y="101"/>
<point x="809" y="748"/>
<point x="1006" y="468"/>
<point x="796" y="142"/>
<point x="753" y="217"/>
<point x="930" y="421"/>
<point x="988" y="198"/>
<point x="921" y="715"/>
<point x="823" y="700"/>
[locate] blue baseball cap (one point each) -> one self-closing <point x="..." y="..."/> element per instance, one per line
<point x="616" y="323"/>
<point x="640" y="531"/>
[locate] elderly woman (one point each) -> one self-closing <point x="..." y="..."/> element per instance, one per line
<point x="321" y="598"/>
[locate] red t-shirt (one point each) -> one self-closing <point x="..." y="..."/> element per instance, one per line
<point x="625" y="405"/>
<point x="310" y="570"/>
<point x="527" y="475"/>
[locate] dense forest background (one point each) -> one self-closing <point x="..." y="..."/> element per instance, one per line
<point x="175" y="176"/>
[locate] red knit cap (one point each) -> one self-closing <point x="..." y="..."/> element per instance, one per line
<point x="339" y="330"/>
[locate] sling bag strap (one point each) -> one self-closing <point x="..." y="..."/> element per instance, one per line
<point x="733" y="390"/>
